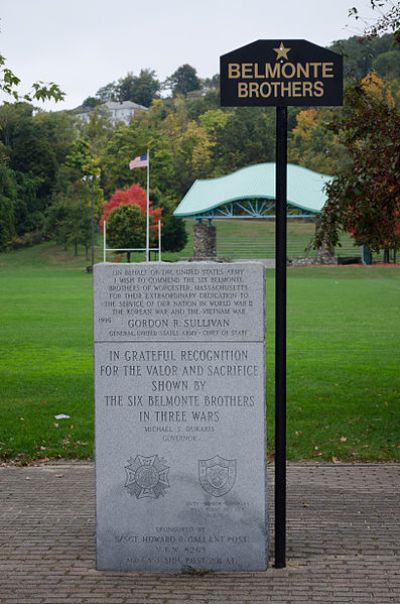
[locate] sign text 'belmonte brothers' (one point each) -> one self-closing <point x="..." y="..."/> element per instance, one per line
<point x="281" y="72"/>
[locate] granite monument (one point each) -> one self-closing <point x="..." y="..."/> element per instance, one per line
<point x="180" y="416"/>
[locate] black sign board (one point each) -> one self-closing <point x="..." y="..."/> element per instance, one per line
<point x="281" y="73"/>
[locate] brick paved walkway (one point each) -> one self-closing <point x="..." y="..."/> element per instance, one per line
<point x="343" y="543"/>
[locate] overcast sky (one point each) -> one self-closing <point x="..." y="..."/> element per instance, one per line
<point x="85" y="44"/>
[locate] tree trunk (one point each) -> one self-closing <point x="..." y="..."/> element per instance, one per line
<point x="386" y="257"/>
<point x="75" y="248"/>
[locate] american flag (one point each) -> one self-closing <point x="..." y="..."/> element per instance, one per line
<point x="141" y="161"/>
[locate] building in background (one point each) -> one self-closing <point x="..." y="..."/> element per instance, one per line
<point x="117" y="112"/>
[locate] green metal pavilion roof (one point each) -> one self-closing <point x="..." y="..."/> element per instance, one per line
<point x="305" y="190"/>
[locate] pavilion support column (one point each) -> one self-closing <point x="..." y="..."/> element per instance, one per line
<point x="204" y="240"/>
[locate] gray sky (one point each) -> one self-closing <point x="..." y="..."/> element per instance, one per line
<point x="84" y="44"/>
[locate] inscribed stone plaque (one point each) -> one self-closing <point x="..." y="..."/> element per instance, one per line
<point x="180" y="416"/>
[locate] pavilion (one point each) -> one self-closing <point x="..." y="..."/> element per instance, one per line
<point x="249" y="193"/>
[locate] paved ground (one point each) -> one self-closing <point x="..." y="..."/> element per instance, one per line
<point x="343" y="543"/>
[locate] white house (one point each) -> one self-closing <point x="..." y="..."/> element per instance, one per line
<point x="117" y="112"/>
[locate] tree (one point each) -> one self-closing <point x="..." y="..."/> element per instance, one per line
<point x="7" y="206"/>
<point x="312" y="144"/>
<point x="183" y="80"/>
<point x="34" y="147"/>
<point x="77" y="197"/>
<point x="364" y="199"/>
<point x="147" y="87"/>
<point x="68" y="220"/>
<point x="211" y="83"/>
<point x="96" y="131"/>
<point x="360" y="53"/>
<point x="125" y="88"/>
<point x="133" y="196"/>
<point x="126" y="228"/>
<point x="189" y="147"/>
<point x="247" y="138"/>
<point x="141" y="89"/>
<point x="106" y="93"/>
<point x="82" y="159"/>
<point x="387" y="64"/>
<point x="90" y="102"/>
<point x="174" y="236"/>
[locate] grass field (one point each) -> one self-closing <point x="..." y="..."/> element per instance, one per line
<point x="256" y="239"/>
<point x="343" y="359"/>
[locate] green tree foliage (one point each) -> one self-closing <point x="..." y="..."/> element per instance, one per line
<point x="7" y="206"/>
<point x="34" y="146"/>
<point x="80" y="197"/>
<point x="46" y="156"/>
<point x="125" y="143"/>
<point x="174" y="235"/>
<point x="364" y="199"/>
<point x="125" y="89"/>
<point x="183" y="148"/>
<point x="69" y="219"/>
<point x="97" y="131"/>
<point x="248" y="137"/>
<point x="81" y="158"/>
<point x="32" y="152"/>
<point x="387" y="64"/>
<point x="360" y="53"/>
<point x="107" y="93"/>
<point x="199" y="103"/>
<point x="126" y="228"/>
<point x="312" y="143"/>
<point x="183" y="80"/>
<point x="141" y="89"/>
<point x="90" y="102"/>
<point x="211" y="83"/>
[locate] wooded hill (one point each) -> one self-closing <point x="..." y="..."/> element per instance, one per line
<point x="52" y="162"/>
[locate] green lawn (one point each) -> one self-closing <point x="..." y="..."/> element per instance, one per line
<point x="343" y="359"/>
<point x="256" y="239"/>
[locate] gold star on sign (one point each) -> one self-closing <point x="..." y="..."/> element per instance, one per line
<point x="282" y="52"/>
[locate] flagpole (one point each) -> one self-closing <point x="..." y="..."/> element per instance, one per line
<point x="159" y="241"/>
<point x="148" y="208"/>
<point x="104" y="241"/>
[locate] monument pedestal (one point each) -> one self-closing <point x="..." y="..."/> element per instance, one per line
<point x="180" y="416"/>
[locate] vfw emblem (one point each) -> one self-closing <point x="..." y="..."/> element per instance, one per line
<point x="217" y="475"/>
<point x="146" y="476"/>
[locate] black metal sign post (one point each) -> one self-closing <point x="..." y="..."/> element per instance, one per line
<point x="280" y="335"/>
<point x="281" y="73"/>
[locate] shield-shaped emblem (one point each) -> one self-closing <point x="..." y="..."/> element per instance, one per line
<point x="217" y="475"/>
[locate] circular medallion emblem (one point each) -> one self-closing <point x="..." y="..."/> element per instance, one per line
<point x="146" y="476"/>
